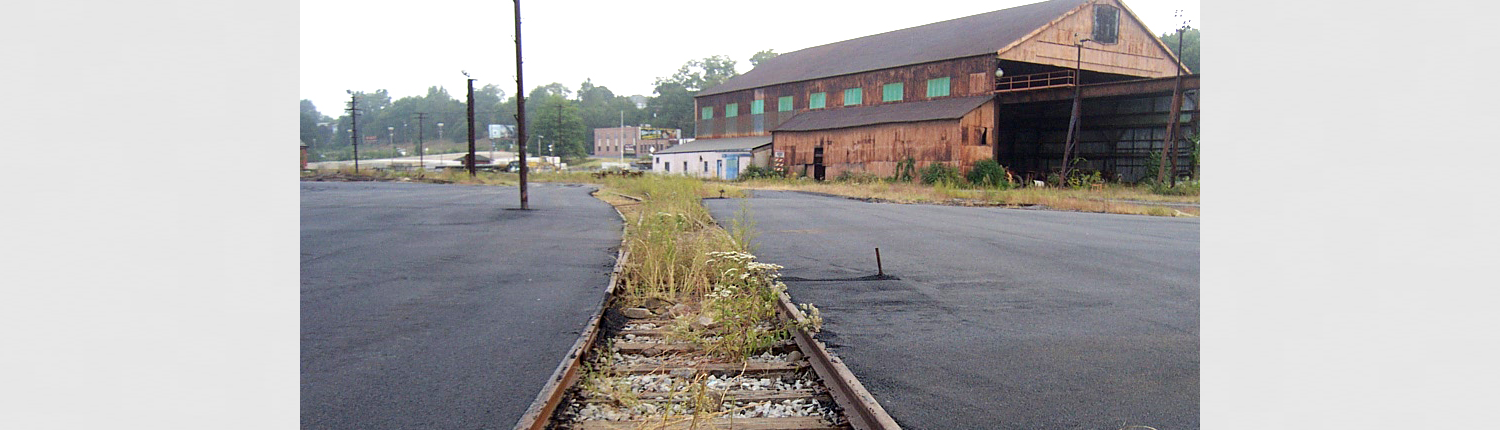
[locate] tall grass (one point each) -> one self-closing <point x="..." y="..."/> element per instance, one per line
<point x="669" y="238"/>
<point x="679" y="254"/>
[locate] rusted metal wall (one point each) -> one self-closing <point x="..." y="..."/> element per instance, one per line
<point x="966" y="77"/>
<point x="877" y="148"/>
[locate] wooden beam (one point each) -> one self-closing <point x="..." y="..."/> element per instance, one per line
<point x="712" y="367"/>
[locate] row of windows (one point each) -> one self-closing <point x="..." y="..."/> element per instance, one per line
<point x="892" y="92"/>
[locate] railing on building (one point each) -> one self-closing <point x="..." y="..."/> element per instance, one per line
<point x="1061" y="78"/>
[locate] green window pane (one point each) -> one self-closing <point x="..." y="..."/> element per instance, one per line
<point x="757" y="107"/>
<point x="937" y="87"/>
<point x="784" y="104"/>
<point x="708" y="112"/>
<point x="854" y="96"/>
<point x="731" y="110"/>
<point x="892" y="92"/>
<point x="817" y="100"/>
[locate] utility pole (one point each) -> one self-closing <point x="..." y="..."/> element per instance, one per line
<point x="520" y="108"/>
<point x="354" y="126"/>
<point x="1167" y="172"/>
<point x="1073" y="119"/>
<point x="421" y="159"/>
<point x="473" y="170"/>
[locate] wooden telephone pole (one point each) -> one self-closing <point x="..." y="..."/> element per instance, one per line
<point x="520" y="109"/>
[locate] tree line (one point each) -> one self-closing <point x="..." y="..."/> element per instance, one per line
<point x="560" y="121"/>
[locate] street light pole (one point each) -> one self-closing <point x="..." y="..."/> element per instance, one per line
<point x="391" y="132"/>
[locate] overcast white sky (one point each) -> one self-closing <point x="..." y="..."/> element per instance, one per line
<point x="405" y="46"/>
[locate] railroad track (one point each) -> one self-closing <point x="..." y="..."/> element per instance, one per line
<point x="633" y="373"/>
<point x="638" y="378"/>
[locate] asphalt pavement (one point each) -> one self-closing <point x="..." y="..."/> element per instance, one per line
<point x="1000" y="318"/>
<point x="435" y="307"/>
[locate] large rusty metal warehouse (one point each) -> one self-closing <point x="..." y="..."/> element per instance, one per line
<point x="995" y="85"/>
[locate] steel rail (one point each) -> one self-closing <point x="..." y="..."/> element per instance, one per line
<point x="860" y="407"/>
<point x="566" y="374"/>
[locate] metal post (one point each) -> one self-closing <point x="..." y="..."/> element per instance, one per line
<point x="878" y="267"/>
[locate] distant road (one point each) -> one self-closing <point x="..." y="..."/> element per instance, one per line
<point x="431" y="306"/>
<point x="1001" y="318"/>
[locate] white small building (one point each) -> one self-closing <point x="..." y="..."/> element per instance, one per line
<point x="714" y="158"/>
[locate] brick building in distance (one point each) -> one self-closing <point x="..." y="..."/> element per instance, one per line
<point x="994" y="85"/>
<point x="633" y="140"/>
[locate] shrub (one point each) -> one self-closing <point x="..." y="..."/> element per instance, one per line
<point x="939" y="172"/>
<point x="906" y="170"/>
<point x="757" y="172"/>
<point x="1183" y="188"/>
<point x="852" y="177"/>
<point x="989" y="173"/>
<point x="1153" y="168"/>
<point x="1079" y="179"/>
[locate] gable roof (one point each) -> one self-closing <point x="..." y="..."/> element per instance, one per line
<point x="952" y="108"/>
<point x="982" y="34"/>
<point x="729" y="144"/>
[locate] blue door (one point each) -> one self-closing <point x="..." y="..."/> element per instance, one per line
<point x="732" y="161"/>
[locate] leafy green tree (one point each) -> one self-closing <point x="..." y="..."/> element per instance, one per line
<point x="602" y="108"/>
<point x="371" y="105"/>
<point x="1189" y="54"/>
<point x="699" y="75"/>
<point x="673" y="105"/>
<point x="555" y="121"/>
<point x="311" y="132"/>
<point x="761" y="57"/>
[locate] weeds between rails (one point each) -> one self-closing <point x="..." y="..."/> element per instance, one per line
<point x="682" y="263"/>
<point x="703" y="343"/>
